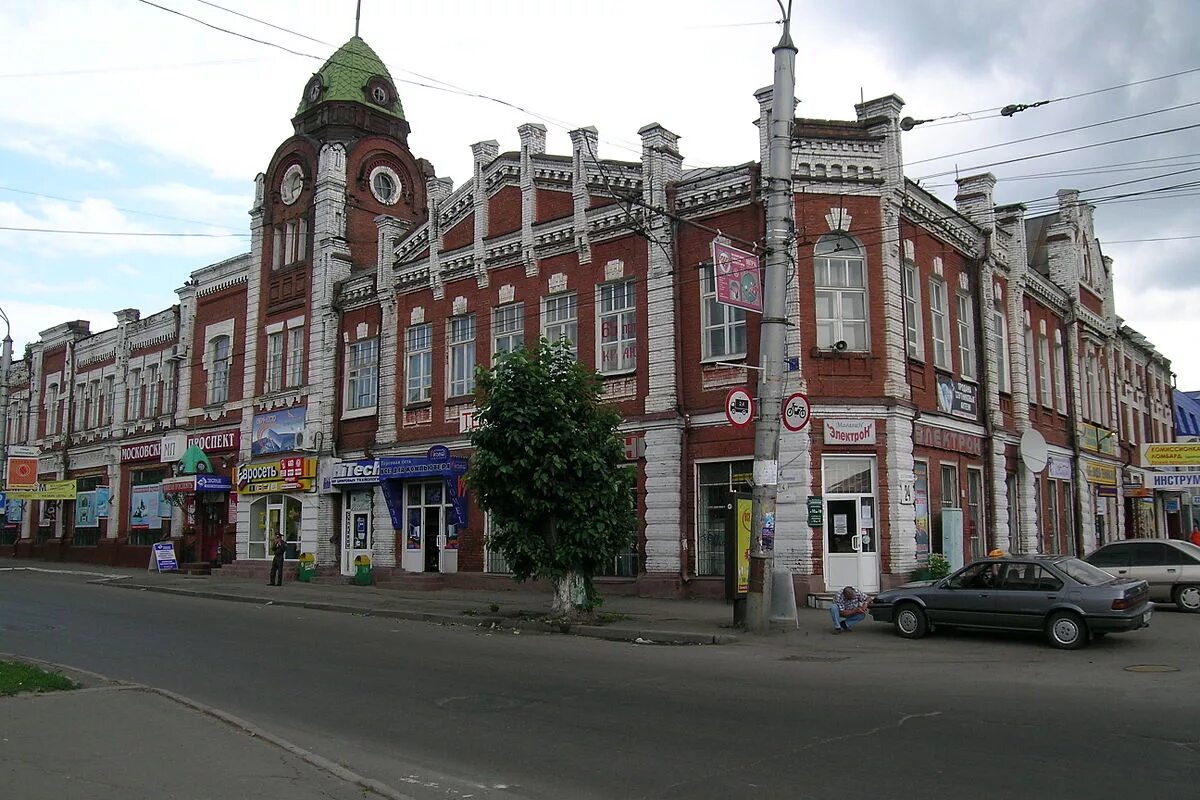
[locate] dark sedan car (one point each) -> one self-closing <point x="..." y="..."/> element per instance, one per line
<point x="1067" y="599"/>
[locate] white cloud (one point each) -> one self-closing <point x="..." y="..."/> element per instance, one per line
<point x="29" y="319"/>
<point x="44" y="149"/>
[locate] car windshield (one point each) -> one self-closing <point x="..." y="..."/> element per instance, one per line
<point x="1084" y="572"/>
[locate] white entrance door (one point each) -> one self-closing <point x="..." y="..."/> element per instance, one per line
<point x="851" y="524"/>
<point x="356" y="530"/>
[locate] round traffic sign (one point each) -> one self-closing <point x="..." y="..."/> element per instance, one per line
<point x="796" y="412"/>
<point x="739" y="407"/>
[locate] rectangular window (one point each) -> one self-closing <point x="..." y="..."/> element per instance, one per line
<point x="912" y="311"/>
<point x="290" y="243"/>
<point x="561" y="319"/>
<point x="1030" y="365"/>
<point x="508" y="328"/>
<point x="722" y="327"/>
<point x="302" y="239"/>
<point x="950" y="499"/>
<point x="295" y="358"/>
<point x="1060" y="376"/>
<point x="218" y="389"/>
<point x="152" y="391"/>
<point x="460" y="342"/>
<point x="940" y="324"/>
<point x="1094" y="388"/>
<point x="419" y="357"/>
<point x="80" y="405"/>
<point x="277" y="248"/>
<point x="110" y="399"/>
<point x="170" y="381"/>
<point x="966" y="335"/>
<point x="1000" y="342"/>
<point x="716" y="482"/>
<point x="274" y="361"/>
<point x="95" y="404"/>
<point x="618" y="327"/>
<point x="134" y="404"/>
<point x="841" y="301"/>
<point x="52" y="409"/>
<point x="1044" y="359"/>
<point x="362" y="374"/>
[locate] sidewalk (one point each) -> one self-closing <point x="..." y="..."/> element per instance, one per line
<point x="620" y="618"/>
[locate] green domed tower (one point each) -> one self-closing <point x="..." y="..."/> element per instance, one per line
<point x="351" y="95"/>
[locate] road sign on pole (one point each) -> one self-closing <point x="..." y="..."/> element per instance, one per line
<point x="739" y="407"/>
<point x="796" y="412"/>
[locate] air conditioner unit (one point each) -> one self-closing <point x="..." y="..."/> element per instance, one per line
<point x="309" y="439"/>
<point x="176" y="352"/>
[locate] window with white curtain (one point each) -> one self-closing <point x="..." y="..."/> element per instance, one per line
<point x="418" y="342"/>
<point x="460" y="342"/>
<point x="840" y="292"/>
<point x="362" y="374"/>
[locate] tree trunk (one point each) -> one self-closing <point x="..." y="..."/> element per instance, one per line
<point x="570" y="597"/>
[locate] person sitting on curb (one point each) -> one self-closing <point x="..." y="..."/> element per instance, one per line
<point x="849" y="608"/>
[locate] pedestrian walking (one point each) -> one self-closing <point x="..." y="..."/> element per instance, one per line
<point x="277" y="550"/>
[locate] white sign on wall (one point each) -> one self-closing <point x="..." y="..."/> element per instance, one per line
<point x="1060" y="468"/>
<point x="849" y="431"/>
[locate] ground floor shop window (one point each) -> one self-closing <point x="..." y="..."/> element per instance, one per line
<point x="975" y="512"/>
<point x="275" y="513"/>
<point x="86" y="521"/>
<point x="1014" y="516"/>
<point x="147" y="507"/>
<point x="716" y="484"/>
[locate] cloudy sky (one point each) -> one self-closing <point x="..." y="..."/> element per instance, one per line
<point x="119" y="117"/>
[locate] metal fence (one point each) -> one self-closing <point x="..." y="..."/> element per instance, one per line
<point x="623" y="566"/>
<point x="8" y="538"/>
<point x="86" y="538"/>
<point x="143" y="537"/>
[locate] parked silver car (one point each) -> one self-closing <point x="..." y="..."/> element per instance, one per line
<point x="1067" y="599"/>
<point x="1171" y="567"/>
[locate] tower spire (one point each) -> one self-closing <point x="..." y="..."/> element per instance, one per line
<point x="357" y="14"/>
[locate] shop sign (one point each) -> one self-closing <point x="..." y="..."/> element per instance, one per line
<point x="1100" y="474"/>
<point x="285" y="475"/>
<point x="957" y="398"/>
<point x="849" y="431"/>
<point x="216" y="441"/>
<point x="1174" y="480"/>
<point x="1171" y="506"/>
<point x="1060" y="468"/>
<point x="355" y="473"/>
<point x="744" y="513"/>
<point x="1171" y="455"/>
<point x="738" y="279"/>
<point x="1098" y="440"/>
<point x="184" y="484"/>
<point x="22" y="472"/>
<point x="816" y="511"/>
<point x="278" y="431"/>
<point x="942" y="439"/>
<point x="45" y="490"/>
<point x="213" y="483"/>
<point x="143" y="451"/>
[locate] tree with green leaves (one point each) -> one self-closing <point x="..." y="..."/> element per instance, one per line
<point x="549" y="468"/>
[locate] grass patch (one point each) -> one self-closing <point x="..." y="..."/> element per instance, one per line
<point x="16" y="677"/>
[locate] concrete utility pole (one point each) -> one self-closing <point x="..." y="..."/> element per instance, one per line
<point x="5" y="363"/>
<point x="772" y="342"/>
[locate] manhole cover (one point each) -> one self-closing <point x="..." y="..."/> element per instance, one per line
<point x="815" y="659"/>
<point x="1151" y="668"/>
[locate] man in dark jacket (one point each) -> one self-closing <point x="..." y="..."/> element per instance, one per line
<point x="277" y="550"/>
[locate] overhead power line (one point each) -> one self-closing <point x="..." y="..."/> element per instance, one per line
<point x="124" y="233"/>
<point x="117" y="208"/>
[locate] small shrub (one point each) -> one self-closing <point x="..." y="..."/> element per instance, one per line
<point x="939" y="566"/>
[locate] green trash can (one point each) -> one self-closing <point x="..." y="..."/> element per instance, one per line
<point x="308" y="568"/>
<point x="362" y="571"/>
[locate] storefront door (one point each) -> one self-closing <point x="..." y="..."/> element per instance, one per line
<point x="851" y="524"/>
<point x="426" y="516"/>
<point x="356" y="530"/>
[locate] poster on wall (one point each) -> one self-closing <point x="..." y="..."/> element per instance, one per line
<point x="921" y="510"/>
<point x="14" y="511"/>
<point x="143" y="507"/>
<point x="957" y="398"/>
<point x="414" y="529"/>
<point x="164" y="508"/>
<point x="103" y="498"/>
<point x="278" y="431"/>
<point x="85" y="510"/>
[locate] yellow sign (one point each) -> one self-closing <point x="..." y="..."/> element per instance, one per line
<point x="272" y="487"/>
<point x="1100" y="474"/>
<point x="743" y="510"/>
<point x="46" y="490"/>
<point x="1171" y="455"/>
<point x="1098" y="440"/>
<point x="290" y="474"/>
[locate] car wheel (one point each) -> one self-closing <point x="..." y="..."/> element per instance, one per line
<point x="911" y="622"/>
<point x="1066" y="631"/>
<point x="1187" y="597"/>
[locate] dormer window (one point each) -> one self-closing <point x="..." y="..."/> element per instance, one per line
<point x="379" y="95"/>
<point x="313" y="92"/>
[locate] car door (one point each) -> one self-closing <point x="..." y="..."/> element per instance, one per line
<point x="1026" y="592"/>
<point x="1154" y="563"/>
<point x="967" y="597"/>
<point x="1113" y="558"/>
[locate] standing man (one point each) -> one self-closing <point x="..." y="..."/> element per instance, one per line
<point x="277" y="550"/>
<point x="849" y="608"/>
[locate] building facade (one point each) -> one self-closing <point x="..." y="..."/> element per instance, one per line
<point x="329" y="372"/>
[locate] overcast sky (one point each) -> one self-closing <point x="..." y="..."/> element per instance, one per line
<point x="116" y="116"/>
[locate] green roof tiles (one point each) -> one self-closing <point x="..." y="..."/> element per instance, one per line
<point x="345" y="76"/>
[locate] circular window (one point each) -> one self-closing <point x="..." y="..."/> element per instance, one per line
<point x="385" y="185"/>
<point x="380" y="95"/>
<point x="293" y="184"/>
<point x="314" y="90"/>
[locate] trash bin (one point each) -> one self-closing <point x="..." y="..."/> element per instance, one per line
<point x="362" y="571"/>
<point x="308" y="568"/>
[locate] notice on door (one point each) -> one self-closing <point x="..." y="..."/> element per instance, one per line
<point x="841" y="524"/>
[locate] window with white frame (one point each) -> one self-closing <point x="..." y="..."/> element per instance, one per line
<point x="1060" y="375"/>
<point x="561" y="318"/>
<point x="274" y="361"/>
<point x="152" y="391"/>
<point x="1044" y="366"/>
<point x="295" y="356"/>
<point x="170" y="384"/>
<point x="940" y="323"/>
<point x="618" y="327"/>
<point x="722" y="327"/>
<point x="110" y="399"/>
<point x="966" y="335"/>
<point x="508" y="328"/>
<point x="80" y="403"/>
<point x="460" y="344"/>
<point x="841" y="293"/>
<point x="94" y="404"/>
<point x="133" y="406"/>
<point x="52" y="409"/>
<point x="418" y="348"/>
<point x="218" y="379"/>
<point x="362" y="374"/>
<point x="1094" y="386"/>
<point x="1000" y="342"/>
<point x="912" y="311"/>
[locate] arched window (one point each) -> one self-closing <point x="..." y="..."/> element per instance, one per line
<point x="840" y="267"/>
<point x="218" y="378"/>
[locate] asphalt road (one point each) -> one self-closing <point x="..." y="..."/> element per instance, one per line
<point x="458" y="712"/>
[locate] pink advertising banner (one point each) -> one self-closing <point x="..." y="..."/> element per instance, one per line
<point x="739" y="279"/>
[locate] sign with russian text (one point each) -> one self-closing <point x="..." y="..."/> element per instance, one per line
<point x="744" y="514"/>
<point x="1171" y="454"/>
<point x="164" y="557"/>
<point x="1059" y="468"/>
<point x="46" y="490"/>
<point x="849" y="431"/>
<point x="278" y="431"/>
<point x="286" y="475"/>
<point x="22" y="471"/>
<point x="957" y="398"/>
<point x="738" y="279"/>
<point x="1098" y="440"/>
<point x="1100" y="474"/>
<point x="1174" y="480"/>
<point x="942" y="439"/>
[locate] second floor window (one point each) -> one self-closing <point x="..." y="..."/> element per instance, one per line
<point x="134" y="406"/>
<point x="460" y="341"/>
<point x="618" y="327"/>
<point x="1000" y="340"/>
<point x="722" y="327"/>
<point x="274" y="361"/>
<point x="52" y="409"/>
<point x="362" y="375"/>
<point x="841" y="293"/>
<point x="1060" y="377"/>
<point x="912" y="312"/>
<point x="152" y="392"/>
<point x="295" y="357"/>
<point x="218" y="379"/>
<point x="939" y="322"/>
<point x="560" y="319"/>
<point x="80" y="405"/>
<point x="95" y="405"/>
<point x="110" y="399"/>
<point x="1044" y="364"/>
<point x="418" y="349"/>
<point x="508" y="328"/>
<point x="966" y="336"/>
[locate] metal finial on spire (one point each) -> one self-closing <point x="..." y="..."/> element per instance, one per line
<point x="357" y="15"/>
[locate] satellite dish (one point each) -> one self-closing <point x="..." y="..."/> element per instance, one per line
<point x="1033" y="450"/>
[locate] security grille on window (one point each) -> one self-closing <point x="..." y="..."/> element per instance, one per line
<point x="419" y="351"/>
<point x="966" y="336"/>
<point x="938" y="319"/>
<point x="1000" y="342"/>
<point x="723" y="327"/>
<point x="295" y="356"/>
<point x="362" y="374"/>
<point x="274" y="361"/>
<point x="618" y="327"/>
<point x="218" y="380"/>
<point x="561" y="316"/>
<point x="841" y="293"/>
<point x="508" y="328"/>
<point x="912" y="312"/>
<point x="460" y="340"/>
